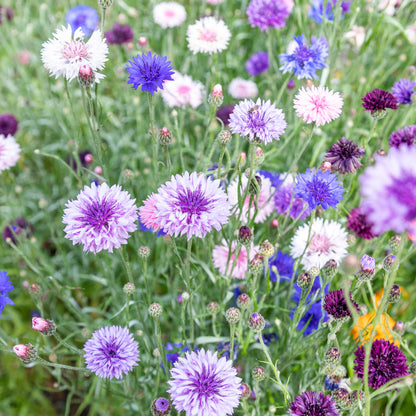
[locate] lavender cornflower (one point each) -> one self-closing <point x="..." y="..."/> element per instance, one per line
<point x="119" y="34"/>
<point x="257" y="63"/>
<point x="387" y="362"/>
<point x="305" y="60"/>
<point x="319" y="188"/>
<point x="344" y="156"/>
<point x="111" y="352"/>
<point x="403" y="90"/>
<point x="378" y="100"/>
<point x="403" y="136"/>
<point x="267" y="14"/>
<point x="204" y="385"/>
<point x="313" y="403"/>
<point x="191" y="205"/>
<point x="358" y="223"/>
<point x="101" y="218"/>
<point x="259" y="121"/>
<point x="84" y="17"/>
<point x="5" y="288"/>
<point x="317" y="10"/>
<point x="149" y="71"/>
<point x="8" y="124"/>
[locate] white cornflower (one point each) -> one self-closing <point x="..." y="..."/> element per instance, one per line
<point x="169" y="14"/>
<point x="9" y="152"/>
<point x="182" y="91"/>
<point x="240" y="88"/>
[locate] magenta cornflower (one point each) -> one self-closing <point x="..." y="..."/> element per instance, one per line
<point x="191" y="205"/>
<point x="358" y="223"/>
<point x="101" y="218"/>
<point x="267" y="14"/>
<point x="318" y="105"/>
<point x="403" y="136"/>
<point x="377" y="101"/>
<point x="111" y="352"/>
<point x="258" y="121"/>
<point x="204" y="385"/>
<point x="8" y="124"/>
<point x="344" y="156"/>
<point x="313" y="403"/>
<point x="387" y="362"/>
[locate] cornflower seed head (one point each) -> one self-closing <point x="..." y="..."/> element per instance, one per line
<point x="86" y="76"/>
<point x="256" y="322"/>
<point x="155" y="310"/>
<point x="258" y="373"/>
<point x="213" y="308"/>
<point x="224" y="137"/>
<point x="216" y="98"/>
<point x="165" y="136"/>
<point x="160" y="407"/>
<point x="332" y="356"/>
<point x="266" y="249"/>
<point x="256" y="264"/>
<point x="144" y="252"/>
<point x="233" y="316"/>
<point x="44" y="326"/>
<point x="26" y="352"/>
<point x="394" y="295"/>
<point x="389" y="262"/>
<point x="304" y="281"/>
<point x="394" y="243"/>
<point x="129" y="289"/>
<point x="243" y="301"/>
<point x="330" y="269"/>
<point x="245" y="390"/>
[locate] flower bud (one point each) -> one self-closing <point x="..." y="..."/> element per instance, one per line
<point x="243" y="301"/>
<point x="129" y="289"/>
<point x="105" y="3"/>
<point x="233" y="316"/>
<point x="216" y="98"/>
<point x="399" y="327"/>
<point x="339" y="371"/>
<point x="254" y="185"/>
<point x="185" y="296"/>
<point x="326" y="166"/>
<point x="394" y="243"/>
<point x="330" y="269"/>
<point x="245" y="236"/>
<point x="314" y="271"/>
<point x="304" y="281"/>
<point x="26" y="352"/>
<point x="165" y="136"/>
<point x="224" y="137"/>
<point x="259" y="156"/>
<point x="341" y="398"/>
<point x="266" y="249"/>
<point x="412" y="368"/>
<point x="242" y="159"/>
<point x="332" y="356"/>
<point x="368" y="267"/>
<point x="356" y="396"/>
<point x="142" y="41"/>
<point x="245" y="390"/>
<point x="213" y="308"/>
<point x="258" y="373"/>
<point x="256" y="322"/>
<point x="290" y="84"/>
<point x="155" y="310"/>
<point x="44" y="326"/>
<point x="86" y="76"/>
<point x="256" y="264"/>
<point x="144" y="252"/>
<point x="389" y="262"/>
<point x="160" y="406"/>
<point x="394" y="294"/>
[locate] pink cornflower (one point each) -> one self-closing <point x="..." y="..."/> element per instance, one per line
<point x="169" y="14"/>
<point x="148" y="214"/>
<point x="220" y="258"/>
<point x="318" y="104"/>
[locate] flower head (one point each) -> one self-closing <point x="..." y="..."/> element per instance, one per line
<point x="111" y="352"/>
<point x="283" y="263"/>
<point x="319" y="188"/>
<point x="182" y="91"/>
<point x="257" y="63"/>
<point x="318" y="105"/>
<point x="9" y="152"/>
<point x="67" y="52"/>
<point x="303" y="60"/>
<point x="240" y="88"/>
<point x="358" y="223"/>
<point x="336" y="305"/>
<point x="403" y="90"/>
<point x="378" y="100"/>
<point x="388" y="191"/>
<point x="267" y="14"/>
<point x="313" y="403"/>
<point x="224" y="113"/>
<point x="387" y="362"/>
<point x="149" y="71"/>
<point x="5" y="288"/>
<point x="8" y="124"/>
<point x="191" y="205"/>
<point x="119" y="34"/>
<point x="148" y="213"/>
<point x="403" y="136"/>
<point x="208" y="35"/>
<point x="344" y="156"/>
<point x="204" y="385"/>
<point x="318" y="14"/>
<point x="101" y="218"/>
<point x="169" y="14"/>
<point x="327" y="240"/>
<point x="84" y="17"/>
<point x="259" y="121"/>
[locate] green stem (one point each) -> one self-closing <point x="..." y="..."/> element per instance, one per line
<point x="103" y="9"/>
<point x="188" y="286"/>
<point x="66" y="367"/>
<point x="160" y="346"/>
<point x="69" y="346"/>
<point x="220" y="161"/>
<point x="232" y="334"/>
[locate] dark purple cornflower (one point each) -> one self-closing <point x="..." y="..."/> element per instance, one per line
<point x="111" y="352"/>
<point x="344" y="156"/>
<point x="305" y="60"/>
<point x="18" y="227"/>
<point x="119" y="34"/>
<point x="7" y="13"/>
<point x="149" y="71"/>
<point x="387" y="362"/>
<point x="360" y="225"/>
<point x="403" y="136"/>
<point x="257" y="63"/>
<point x="224" y="112"/>
<point x="313" y="403"/>
<point x="377" y="101"/>
<point x="267" y="14"/>
<point x="317" y="10"/>
<point x="5" y="288"/>
<point x="335" y="305"/>
<point x="8" y="124"/>
<point x="319" y="188"/>
<point x="283" y="263"/>
<point x="403" y="90"/>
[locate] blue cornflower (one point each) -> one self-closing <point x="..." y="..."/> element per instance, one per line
<point x="317" y="9"/>
<point x="257" y="63"/>
<point x="5" y="288"/>
<point x="84" y="17"/>
<point x="284" y="265"/>
<point x="403" y="90"/>
<point x="311" y="319"/>
<point x="224" y="350"/>
<point x="305" y="60"/>
<point x="319" y="188"/>
<point x="149" y="71"/>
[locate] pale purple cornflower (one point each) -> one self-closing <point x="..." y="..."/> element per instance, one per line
<point x="191" y="205"/>
<point x="204" y="385"/>
<point x="267" y="14"/>
<point x="111" y="352"/>
<point x="318" y="104"/>
<point x="258" y="121"/>
<point x="388" y="191"/>
<point x="101" y="218"/>
<point x="403" y="90"/>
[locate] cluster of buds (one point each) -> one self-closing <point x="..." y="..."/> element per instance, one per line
<point x="368" y="267"/>
<point x="44" y="326"/>
<point x="256" y="322"/>
<point x="160" y="407"/>
<point x="165" y="136"/>
<point x="233" y="316"/>
<point x="215" y="97"/>
<point x="155" y="310"/>
<point x="26" y="352"/>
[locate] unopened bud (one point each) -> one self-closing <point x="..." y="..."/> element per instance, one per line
<point x="259" y="156"/>
<point x="86" y="76"/>
<point x="245" y="236"/>
<point x="412" y="368"/>
<point x="233" y="316"/>
<point x="304" y="281"/>
<point x="378" y="114"/>
<point x="185" y="296"/>
<point x="129" y="289"/>
<point x="394" y="294"/>
<point x="213" y="308"/>
<point x="389" y="262"/>
<point x="326" y="166"/>
<point x="245" y="390"/>
<point x="165" y="136"/>
<point x="395" y="243"/>
<point x="242" y="159"/>
<point x="339" y="371"/>
<point x="399" y="327"/>
<point x="243" y="301"/>
<point x="224" y="137"/>
<point x="256" y="322"/>
<point x="155" y="310"/>
<point x="256" y="264"/>
<point x="266" y="249"/>
<point x="144" y="252"/>
<point x="258" y="373"/>
<point x="332" y="356"/>
<point x="314" y="271"/>
<point x="216" y="98"/>
<point x="254" y="185"/>
<point x="26" y="352"/>
<point x="341" y="397"/>
<point x="330" y="269"/>
<point x="105" y="3"/>
<point x="44" y="326"/>
<point x="161" y="407"/>
<point x="291" y="84"/>
<point x="142" y="41"/>
<point x="368" y="267"/>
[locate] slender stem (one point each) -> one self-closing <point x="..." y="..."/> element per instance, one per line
<point x="160" y="346"/>
<point x="69" y="346"/>
<point x="103" y="9"/>
<point x="232" y="334"/>
<point x="126" y="266"/>
<point x="66" y="367"/>
<point x="146" y="281"/>
<point x="252" y="152"/>
<point x="188" y="285"/>
<point x="220" y="161"/>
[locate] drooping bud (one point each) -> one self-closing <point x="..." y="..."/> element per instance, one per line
<point x="254" y="185"/>
<point x="394" y="294"/>
<point x="165" y="136"/>
<point x="155" y="310"/>
<point x="160" y="407"/>
<point x="330" y="269"/>
<point x="216" y="98"/>
<point x="389" y="262"/>
<point x="224" y="137"/>
<point x="144" y="252"/>
<point x="233" y="316"/>
<point x="44" y="326"/>
<point x="26" y="352"/>
<point x="266" y="249"/>
<point x="213" y="308"/>
<point x="243" y="301"/>
<point x="256" y="264"/>
<point x="256" y="322"/>
<point x="129" y="289"/>
<point x="332" y="356"/>
<point x="395" y="243"/>
<point x="258" y="373"/>
<point x="86" y="76"/>
<point x="304" y="281"/>
<point x="245" y="236"/>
